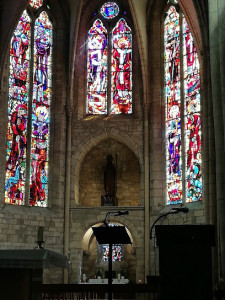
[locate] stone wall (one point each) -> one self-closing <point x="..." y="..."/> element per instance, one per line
<point x="19" y="227"/>
<point x="93" y="137"/>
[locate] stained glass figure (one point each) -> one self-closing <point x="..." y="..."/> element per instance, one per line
<point x="117" y="250"/>
<point x="117" y="254"/>
<point x="41" y="111"/>
<point x="173" y="107"/>
<point x="17" y="112"/>
<point x="121" y="76"/>
<point x="192" y="117"/>
<point x="110" y="10"/>
<point x="97" y="69"/>
<point x="36" y="3"/>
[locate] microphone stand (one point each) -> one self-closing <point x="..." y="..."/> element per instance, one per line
<point x="171" y="212"/>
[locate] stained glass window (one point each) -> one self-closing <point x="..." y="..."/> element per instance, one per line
<point x="18" y="163"/>
<point x="40" y="110"/>
<point x="119" y="81"/>
<point x="17" y="112"/>
<point x="36" y="3"/>
<point x="192" y="117"/>
<point x="173" y="106"/>
<point x="182" y="99"/>
<point x="110" y="10"/>
<point x="116" y="253"/>
<point x="97" y="66"/>
<point x="121" y="98"/>
<point x="117" y="250"/>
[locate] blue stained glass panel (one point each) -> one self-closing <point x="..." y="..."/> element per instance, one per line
<point x="110" y="10"/>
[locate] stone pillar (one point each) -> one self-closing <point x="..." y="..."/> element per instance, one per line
<point x="147" y="196"/>
<point x="217" y="52"/>
<point x="69" y="111"/>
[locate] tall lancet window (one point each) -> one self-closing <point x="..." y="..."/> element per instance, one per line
<point x="121" y="98"/>
<point x="41" y="111"/>
<point x="29" y="110"/>
<point x="109" y="64"/>
<point x="97" y="69"/>
<point x="183" y="119"/>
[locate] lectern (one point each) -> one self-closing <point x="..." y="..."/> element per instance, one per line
<point x="111" y="235"/>
<point x="185" y="261"/>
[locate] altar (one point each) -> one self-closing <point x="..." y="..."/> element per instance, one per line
<point x="105" y="280"/>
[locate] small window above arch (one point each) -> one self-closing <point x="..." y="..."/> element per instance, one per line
<point x="109" y="10"/>
<point x="36" y="3"/>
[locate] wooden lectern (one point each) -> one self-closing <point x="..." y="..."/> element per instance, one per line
<point x="185" y="261"/>
<point x="111" y="235"/>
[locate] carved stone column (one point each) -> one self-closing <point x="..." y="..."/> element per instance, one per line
<point x="69" y="113"/>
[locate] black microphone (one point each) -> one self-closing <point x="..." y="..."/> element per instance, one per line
<point x="185" y="210"/>
<point x="121" y="213"/>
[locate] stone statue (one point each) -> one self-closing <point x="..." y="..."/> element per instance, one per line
<point x="109" y="184"/>
<point x="110" y="178"/>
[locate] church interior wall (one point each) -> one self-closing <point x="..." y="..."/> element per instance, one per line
<point x="94" y="137"/>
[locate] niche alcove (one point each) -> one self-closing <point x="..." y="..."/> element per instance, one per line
<point x="91" y="183"/>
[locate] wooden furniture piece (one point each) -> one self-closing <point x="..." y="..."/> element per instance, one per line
<point x="21" y="272"/>
<point x="185" y="261"/>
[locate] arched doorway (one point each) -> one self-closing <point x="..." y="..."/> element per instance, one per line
<point x="95" y="258"/>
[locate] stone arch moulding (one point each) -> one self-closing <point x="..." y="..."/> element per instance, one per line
<point x="88" y="144"/>
<point x="189" y="10"/>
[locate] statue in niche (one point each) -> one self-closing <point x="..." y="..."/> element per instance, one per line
<point x="109" y="183"/>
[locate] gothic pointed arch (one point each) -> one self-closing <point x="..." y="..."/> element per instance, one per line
<point x="28" y="110"/>
<point x="183" y="119"/>
<point x="109" y="63"/>
<point x="18" y="101"/>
